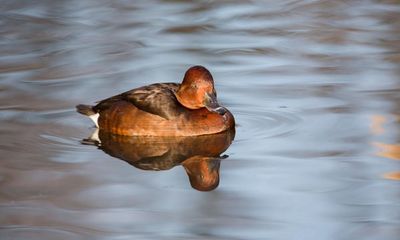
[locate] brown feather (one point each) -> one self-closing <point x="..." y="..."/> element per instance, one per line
<point x="158" y="99"/>
<point x="85" y="109"/>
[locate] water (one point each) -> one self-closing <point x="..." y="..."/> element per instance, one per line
<point x="314" y="87"/>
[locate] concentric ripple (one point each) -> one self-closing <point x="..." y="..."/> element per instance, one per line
<point x="257" y="123"/>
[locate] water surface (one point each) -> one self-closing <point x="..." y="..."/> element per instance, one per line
<point x="314" y="87"/>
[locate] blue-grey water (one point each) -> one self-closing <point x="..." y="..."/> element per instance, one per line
<point x="314" y="86"/>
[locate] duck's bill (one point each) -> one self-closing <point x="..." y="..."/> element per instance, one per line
<point x="220" y="110"/>
<point x="213" y="106"/>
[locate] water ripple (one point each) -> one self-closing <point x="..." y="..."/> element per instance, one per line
<point x="333" y="64"/>
<point x="259" y="123"/>
<point x="40" y="232"/>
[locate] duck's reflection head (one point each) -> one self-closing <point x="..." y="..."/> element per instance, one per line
<point x="203" y="172"/>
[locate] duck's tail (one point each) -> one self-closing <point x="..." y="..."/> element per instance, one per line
<point x="85" y="109"/>
<point x="88" y="111"/>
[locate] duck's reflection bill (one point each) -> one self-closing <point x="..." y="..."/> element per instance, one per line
<point x="200" y="156"/>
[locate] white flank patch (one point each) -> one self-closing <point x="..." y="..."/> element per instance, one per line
<point x="95" y="136"/>
<point x="94" y="118"/>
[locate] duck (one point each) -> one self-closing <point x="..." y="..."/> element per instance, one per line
<point x="190" y="108"/>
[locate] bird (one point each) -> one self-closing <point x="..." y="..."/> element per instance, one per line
<point x="164" y="109"/>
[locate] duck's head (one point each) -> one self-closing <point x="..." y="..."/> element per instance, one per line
<point x="197" y="90"/>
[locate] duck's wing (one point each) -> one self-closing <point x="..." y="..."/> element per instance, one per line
<point x="158" y="99"/>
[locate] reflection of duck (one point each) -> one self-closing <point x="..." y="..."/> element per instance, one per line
<point x="199" y="155"/>
<point x="164" y="109"/>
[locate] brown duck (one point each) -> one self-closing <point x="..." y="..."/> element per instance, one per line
<point x="164" y="109"/>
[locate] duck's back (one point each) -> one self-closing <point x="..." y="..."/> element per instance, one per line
<point x="157" y="99"/>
